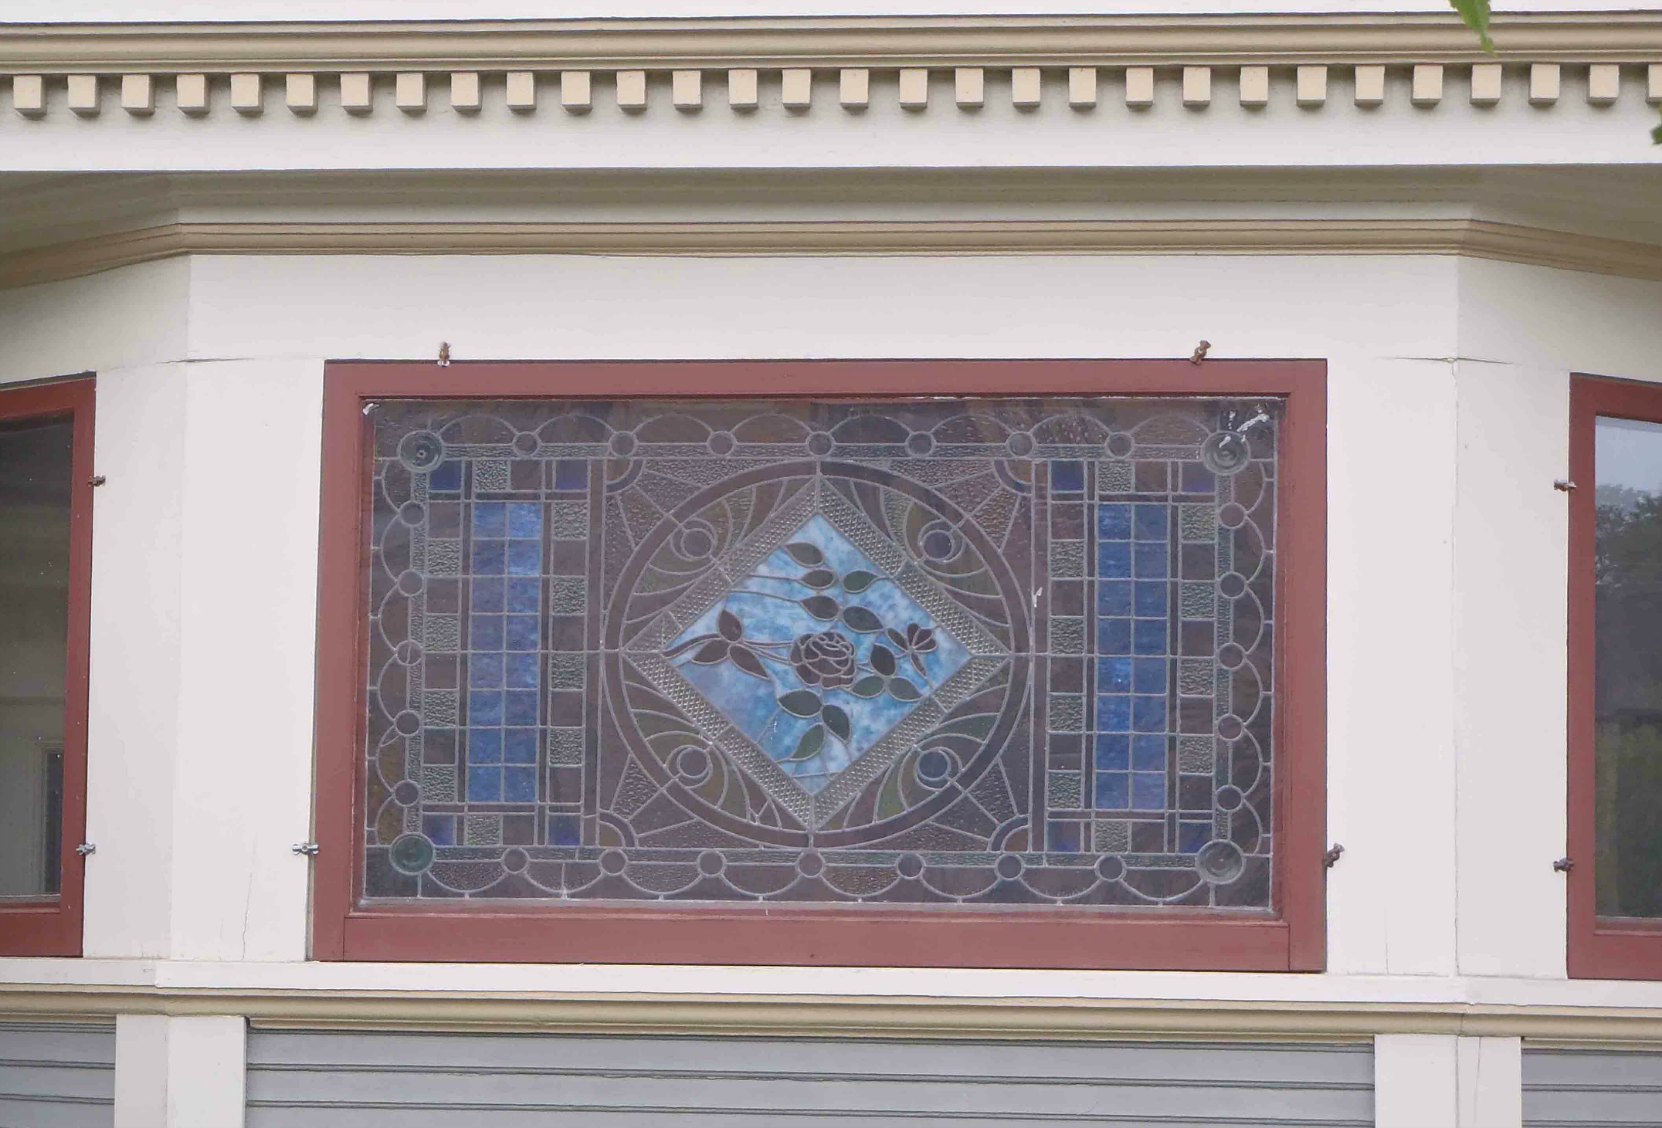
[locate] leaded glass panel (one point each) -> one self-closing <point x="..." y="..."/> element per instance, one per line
<point x="937" y="652"/>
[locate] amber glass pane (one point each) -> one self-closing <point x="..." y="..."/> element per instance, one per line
<point x="34" y="628"/>
<point x="1629" y="668"/>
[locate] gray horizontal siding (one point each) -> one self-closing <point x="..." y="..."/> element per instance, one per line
<point x="350" y="1080"/>
<point x="57" y="1075"/>
<point x="1592" y="1089"/>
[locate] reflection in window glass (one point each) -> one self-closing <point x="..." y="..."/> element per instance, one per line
<point x="34" y="627"/>
<point x="1628" y="631"/>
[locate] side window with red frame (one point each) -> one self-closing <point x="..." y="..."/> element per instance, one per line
<point x="1616" y="680"/>
<point x="929" y="663"/>
<point x="45" y="563"/>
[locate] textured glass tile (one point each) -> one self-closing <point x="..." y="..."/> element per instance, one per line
<point x="679" y="645"/>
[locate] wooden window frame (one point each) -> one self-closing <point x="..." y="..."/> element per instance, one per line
<point x="52" y="926"/>
<point x="1291" y="937"/>
<point x="1631" y="949"/>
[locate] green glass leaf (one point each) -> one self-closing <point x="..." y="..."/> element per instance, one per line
<point x="805" y="554"/>
<point x="902" y="690"/>
<point x="800" y="703"/>
<point x="836" y="720"/>
<point x="882" y="660"/>
<point x="711" y="652"/>
<point x="869" y="686"/>
<point x="820" y="578"/>
<point x="808" y="747"/>
<point x="729" y="626"/>
<point x="856" y="582"/>
<point x="862" y="619"/>
<point x="821" y="606"/>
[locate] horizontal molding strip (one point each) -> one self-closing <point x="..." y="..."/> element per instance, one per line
<point x="1473" y="238"/>
<point x="849" y="42"/>
<point x="841" y="1017"/>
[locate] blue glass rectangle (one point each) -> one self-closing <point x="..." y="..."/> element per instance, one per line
<point x="1150" y="636"/>
<point x="484" y="671"/>
<point x="1148" y="714"/>
<point x="1113" y="597"/>
<point x="1113" y="559"/>
<point x="524" y="558"/>
<point x="525" y="596"/>
<point x="1152" y="522"/>
<point x="1192" y="836"/>
<point x="1153" y="561"/>
<point x="490" y="519"/>
<point x="524" y="520"/>
<point x="1152" y="598"/>
<point x="1148" y="753"/>
<point x="522" y="671"/>
<point x="1067" y="476"/>
<point x="484" y="708"/>
<point x="484" y="746"/>
<point x="1197" y="479"/>
<point x="447" y="478"/>
<point x="1150" y="676"/>
<point x="1113" y="675"/>
<point x="486" y="595"/>
<point x="484" y="785"/>
<point x="1113" y="752"/>
<point x="1113" y="713"/>
<point x="523" y="633"/>
<point x="1148" y="791"/>
<point x="490" y="558"/>
<point x="1113" y="522"/>
<point x="1062" y="837"/>
<point x="439" y="829"/>
<point x="1113" y="791"/>
<point x="519" y="785"/>
<point x="522" y="707"/>
<point x="1113" y="636"/>
<point x="571" y="474"/>
<point x="565" y="830"/>
<point x="484" y="632"/>
<point x="519" y="746"/>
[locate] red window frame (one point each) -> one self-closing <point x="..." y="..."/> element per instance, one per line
<point x="52" y="926"/>
<point x="1630" y="949"/>
<point x="1291" y="939"/>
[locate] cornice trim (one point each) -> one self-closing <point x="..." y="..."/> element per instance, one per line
<point x="215" y="48"/>
<point x="1484" y="239"/>
<point x="842" y="1016"/>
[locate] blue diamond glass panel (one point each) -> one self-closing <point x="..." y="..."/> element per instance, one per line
<point x="930" y="653"/>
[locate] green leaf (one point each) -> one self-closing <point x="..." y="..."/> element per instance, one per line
<point x="820" y="578"/>
<point x="868" y="686"/>
<point x="862" y="619"/>
<point x="1656" y="136"/>
<point x="856" y="582"/>
<point x="805" y="554"/>
<point x="882" y="660"/>
<point x="821" y="606"/>
<point x="808" y="747"/>
<point x="800" y="703"/>
<point x="711" y="652"/>
<point x="836" y="720"/>
<point x="729" y="625"/>
<point x="1475" y="14"/>
<point x="902" y="690"/>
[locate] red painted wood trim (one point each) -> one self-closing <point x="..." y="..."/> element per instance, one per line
<point x="1290" y="938"/>
<point x="1598" y="949"/>
<point x="53" y="927"/>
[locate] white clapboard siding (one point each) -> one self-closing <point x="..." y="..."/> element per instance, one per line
<point x="57" y="1075"/>
<point x="303" y="1079"/>
<point x="1592" y="1089"/>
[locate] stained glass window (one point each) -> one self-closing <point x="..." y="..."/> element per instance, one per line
<point x="937" y="652"/>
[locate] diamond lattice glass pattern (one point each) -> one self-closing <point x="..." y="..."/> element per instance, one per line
<point x="971" y="652"/>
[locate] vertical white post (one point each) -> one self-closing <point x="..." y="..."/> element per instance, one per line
<point x="1491" y="1083"/>
<point x="180" y="1071"/>
<point x="1415" y="1080"/>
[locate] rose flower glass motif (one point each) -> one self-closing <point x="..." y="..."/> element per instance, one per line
<point x="942" y="652"/>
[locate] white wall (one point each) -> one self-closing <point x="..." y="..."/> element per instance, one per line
<point x="1446" y="559"/>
